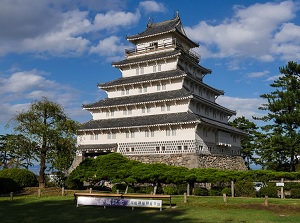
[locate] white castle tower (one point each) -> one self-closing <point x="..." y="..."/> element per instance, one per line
<point x="160" y="110"/>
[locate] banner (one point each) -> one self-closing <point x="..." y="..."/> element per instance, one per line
<point x="103" y="201"/>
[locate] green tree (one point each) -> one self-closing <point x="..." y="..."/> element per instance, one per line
<point x="249" y="143"/>
<point x="47" y="126"/>
<point x="281" y="145"/>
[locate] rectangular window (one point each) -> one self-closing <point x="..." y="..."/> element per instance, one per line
<point x="137" y="71"/>
<point x="124" y="112"/>
<point x="173" y="132"/>
<point x="127" y="134"/>
<point x="113" y="135"/>
<point x="123" y="92"/>
<point x="148" y="110"/>
<point x="159" y="67"/>
<point x="168" y="132"/>
<point x="132" y="134"/>
<point x="179" y="147"/>
<point x="157" y="148"/>
<point x="185" y="147"/>
<point x="96" y="137"/>
<point x="112" y="113"/>
<point x="158" y="87"/>
<point x="92" y="137"/>
<point x="127" y="91"/>
<point x="163" y="148"/>
<point x="154" y="68"/>
<point x="145" y="88"/>
<point x="142" y="70"/>
<point x="162" y="108"/>
<point x="108" y="136"/>
<point x="143" y="110"/>
<point x="147" y="134"/>
<point x="107" y="114"/>
<point x="152" y="133"/>
<point x="168" y="107"/>
<point x="163" y="87"/>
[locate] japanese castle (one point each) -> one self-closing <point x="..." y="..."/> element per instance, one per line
<point x="160" y="110"/>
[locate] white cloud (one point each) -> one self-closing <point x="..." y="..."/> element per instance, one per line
<point x="152" y="6"/>
<point x="258" y="74"/>
<point x="247" y="107"/>
<point x="112" y="20"/>
<point x="19" y="89"/>
<point x="251" y="32"/>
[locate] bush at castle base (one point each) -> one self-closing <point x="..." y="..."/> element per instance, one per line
<point x="13" y="179"/>
<point x="270" y="191"/>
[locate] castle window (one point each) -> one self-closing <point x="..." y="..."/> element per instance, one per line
<point x="152" y="133"/>
<point x="132" y="135"/>
<point x="147" y="133"/>
<point x="159" y="67"/>
<point x="162" y="108"/>
<point x="140" y="90"/>
<point x="142" y="70"/>
<point x="173" y="132"/>
<point x="112" y="113"/>
<point x="96" y="137"/>
<point x="145" y="88"/>
<point x="163" y="87"/>
<point x="148" y="110"/>
<point x="92" y="137"/>
<point x="127" y="134"/>
<point x="179" y="147"/>
<point x="154" y="68"/>
<point x="127" y="91"/>
<point x="158" y="87"/>
<point x="168" y="132"/>
<point x="124" y="112"/>
<point x="137" y="71"/>
<point x="157" y="148"/>
<point x="129" y="111"/>
<point x="163" y="148"/>
<point x="123" y="92"/>
<point x="132" y="149"/>
<point x="185" y="147"/>
<point x="107" y="114"/>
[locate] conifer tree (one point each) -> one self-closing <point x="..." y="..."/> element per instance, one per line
<point x="281" y="145"/>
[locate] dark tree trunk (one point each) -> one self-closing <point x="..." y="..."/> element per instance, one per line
<point x="41" y="177"/>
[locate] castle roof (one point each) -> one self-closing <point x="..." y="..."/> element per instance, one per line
<point x="155" y="120"/>
<point x="168" y="26"/>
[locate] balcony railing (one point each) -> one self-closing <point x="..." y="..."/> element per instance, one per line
<point x="158" y="47"/>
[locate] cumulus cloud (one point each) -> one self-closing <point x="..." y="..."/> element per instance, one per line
<point x="19" y="89"/>
<point x="257" y="32"/>
<point x="247" y="107"/>
<point x="48" y="29"/>
<point x="152" y="6"/>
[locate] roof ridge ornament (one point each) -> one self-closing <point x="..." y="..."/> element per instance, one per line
<point x="150" y="22"/>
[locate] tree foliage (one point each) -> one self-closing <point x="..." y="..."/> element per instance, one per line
<point x="51" y="131"/>
<point x="250" y="143"/>
<point x="281" y="144"/>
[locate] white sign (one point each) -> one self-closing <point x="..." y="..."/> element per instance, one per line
<point x="103" y="201"/>
<point x="279" y="184"/>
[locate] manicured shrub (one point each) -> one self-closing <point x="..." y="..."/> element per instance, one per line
<point x="244" y="189"/>
<point x="270" y="191"/>
<point x="74" y="184"/>
<point x="23" y="177"/>
<point x="215" y="192"/>
<point x="170" y="190"/>
<point x="295" y="193"/>
<point x="181" y="189"/>
<point x="8" y="185"/>
<point x="200" y="191"/>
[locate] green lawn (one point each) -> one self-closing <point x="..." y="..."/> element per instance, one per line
<point x="25" y="209"/>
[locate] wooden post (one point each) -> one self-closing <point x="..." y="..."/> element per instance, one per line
<point x="281" y="189"/>
<point x="232" y="188"/>
<point x="155" y="188"/>
<point x="62" y="191"/>
<point x="126" y="190"/>
<point x="188" y="189"/>
<point x="117" y="191"/>
<point x="225" y="198"/>
<point x="266" y="201"/>
<point x="91" y="190"/>
<point x="39" y="192"/>
<point x="11" y="195"/>
<point x="185" y="198"/>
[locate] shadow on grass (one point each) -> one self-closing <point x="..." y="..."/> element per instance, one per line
<point x="64" y="210"/>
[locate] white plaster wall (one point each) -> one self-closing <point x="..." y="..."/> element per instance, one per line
<point x="142" y="110"/>
<point x="139" y="136"/>
<point x="145" y="88"/>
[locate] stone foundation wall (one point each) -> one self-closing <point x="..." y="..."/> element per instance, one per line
<point x="194" y="160"/>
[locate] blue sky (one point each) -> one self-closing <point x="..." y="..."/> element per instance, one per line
<point x="62" y="49"/>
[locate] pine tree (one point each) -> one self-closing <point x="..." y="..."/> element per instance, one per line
<point x="281" y="148"/>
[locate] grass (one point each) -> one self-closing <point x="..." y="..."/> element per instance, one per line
<point x="54" y="208"/>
